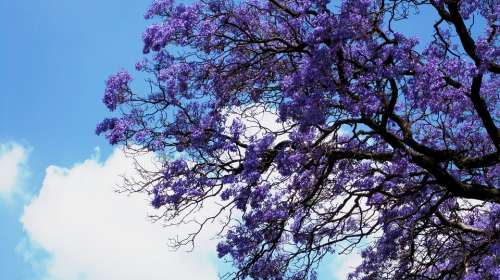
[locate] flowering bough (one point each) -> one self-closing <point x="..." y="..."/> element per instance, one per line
<point x="318" y="127"/>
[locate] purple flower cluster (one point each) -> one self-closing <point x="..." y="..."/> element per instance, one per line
<point x="159" y="8"/>
<point x="116" y="129"/>
<point x="116" y="89"/>
<point x="180" y="25"/>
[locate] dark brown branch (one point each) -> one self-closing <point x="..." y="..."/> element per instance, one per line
<point x="482" y="111"/>
<point x="467" y="42"/>
<point x="472" y="191"/>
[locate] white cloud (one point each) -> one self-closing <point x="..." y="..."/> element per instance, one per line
<point x="12" y="157"/>
<point x="92" y="232"/>
<point x="345" y="264"/>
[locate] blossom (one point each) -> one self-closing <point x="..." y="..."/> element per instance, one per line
<point x="116" y="89"/>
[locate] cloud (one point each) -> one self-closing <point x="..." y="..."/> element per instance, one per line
<point x="345" y="264"/>
<point x="12" y="158"/>
<point x="92" y="232"/>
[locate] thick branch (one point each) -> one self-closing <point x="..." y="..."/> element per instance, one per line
<point x="467" y="42"/>
<point x="472" y="191"/>
<point x="482" y="111"/>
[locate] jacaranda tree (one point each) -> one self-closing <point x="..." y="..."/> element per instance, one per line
<point x="318" y="127"/>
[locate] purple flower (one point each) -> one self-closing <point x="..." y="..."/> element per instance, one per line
<point x="159" y="8"/>
<point x="105" y="125"/>
<point x="116" y="89"/>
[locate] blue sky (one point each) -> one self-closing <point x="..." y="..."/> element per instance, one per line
<point x="54" y="58"/>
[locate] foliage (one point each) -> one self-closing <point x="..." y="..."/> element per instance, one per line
<point x="318" y="127"/>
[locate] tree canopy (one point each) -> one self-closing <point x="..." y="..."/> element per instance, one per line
<point x="317" y="127"/>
